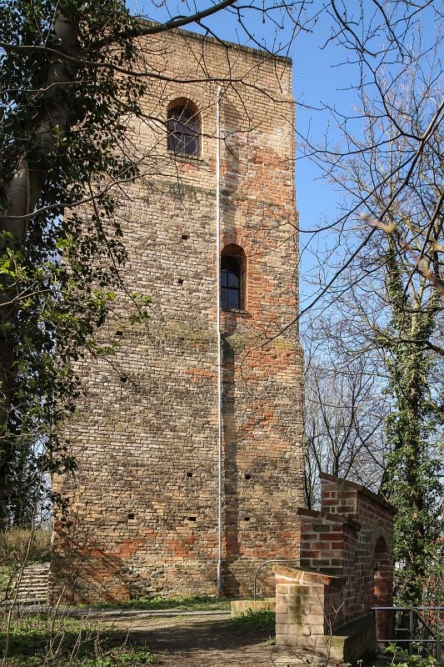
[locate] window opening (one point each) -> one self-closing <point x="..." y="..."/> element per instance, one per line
<point x="183" y="130"/>
<point x="230" y="283"/>
<point x="232" y="278"/>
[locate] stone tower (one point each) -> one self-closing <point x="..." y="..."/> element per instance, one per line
<point x="165" y="500"/>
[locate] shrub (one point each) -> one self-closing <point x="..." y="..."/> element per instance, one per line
<point x="14" y="546"/>
<point x="403" y="658"/>
<point x="263" y="620"/>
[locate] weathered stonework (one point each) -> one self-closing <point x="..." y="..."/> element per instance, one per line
<point x="144" y="500"/>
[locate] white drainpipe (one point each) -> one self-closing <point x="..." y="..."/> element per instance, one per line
<point x="219" y="348"/>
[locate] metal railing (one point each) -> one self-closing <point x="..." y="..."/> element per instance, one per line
<point x="419" y="629"/>
<point x="264" y="564"/>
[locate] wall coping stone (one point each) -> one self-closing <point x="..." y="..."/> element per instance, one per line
<point x="359" y="488"/>
<point x="348" y="520"/>
<point x="213" y="40"/>
<point x="307" y="576"/>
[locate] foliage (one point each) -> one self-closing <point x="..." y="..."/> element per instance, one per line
<point x="412" y="481"/>
<point x="18" y="543"/>
<point x="39" y="640"/>
<point x="403" y="658"/>
<point x="50" y="302"/>
<point x="263" y="620"/>
<point x="188" y="603"/>
<point x="5" y="580"/>
<point x="387" y="312"/>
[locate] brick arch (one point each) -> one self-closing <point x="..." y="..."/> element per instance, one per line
<point x="382" y="569"/>
<point x="184" y="102"/>
<point x="238" y="239"/>
<point x="382" y="584"/>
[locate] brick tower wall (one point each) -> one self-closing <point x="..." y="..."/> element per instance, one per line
<point x="144" y="500"/>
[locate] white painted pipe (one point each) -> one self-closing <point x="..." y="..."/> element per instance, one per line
<point x="219" y="350"/>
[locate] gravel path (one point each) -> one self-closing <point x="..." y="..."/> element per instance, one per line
<point x="200" y="641"/>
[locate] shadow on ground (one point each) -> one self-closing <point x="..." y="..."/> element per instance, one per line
<point x="196" y="634"/>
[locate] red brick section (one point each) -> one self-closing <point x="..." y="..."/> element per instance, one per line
<point x="346" y="565"/>
<point x="144" y="500"/>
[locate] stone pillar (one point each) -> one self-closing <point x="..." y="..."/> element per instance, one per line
<point x="305" y="610"/>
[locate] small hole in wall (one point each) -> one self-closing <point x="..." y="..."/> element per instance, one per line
<point x="123" y="378"/>
<point x="247" y="475"/>
<point x="185" y="237"/>
<point x="131" y="515"/>
<point x="119" y="333"/>
<point x="247" y="518"/>
<point x="192" y="518"/>
<point x="180" y="281"/>
<point x="189" y="474"/>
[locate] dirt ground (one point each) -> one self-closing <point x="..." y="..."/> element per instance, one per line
<point x="201" y="641"/>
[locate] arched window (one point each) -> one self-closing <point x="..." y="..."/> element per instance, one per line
<point x="183" y="128"/>
<point x="232" y="278"/>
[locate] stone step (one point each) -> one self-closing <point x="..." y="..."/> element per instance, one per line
<point x="33" y="585"/>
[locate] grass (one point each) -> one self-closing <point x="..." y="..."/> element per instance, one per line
<point x="5" y="575"/>
<point x="260" y="621"/>
<point x="37" y="639"/>
<point x="190" y="603"/>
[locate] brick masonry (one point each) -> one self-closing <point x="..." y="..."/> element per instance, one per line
<point x="144" y="500"/>
<point x="346" y="568"/>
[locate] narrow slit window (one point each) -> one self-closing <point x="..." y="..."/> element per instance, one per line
<point x="230" y="283"/>
<point x="232" y="278"/>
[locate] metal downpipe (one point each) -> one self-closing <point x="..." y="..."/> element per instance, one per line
<point x="219" y="348"/>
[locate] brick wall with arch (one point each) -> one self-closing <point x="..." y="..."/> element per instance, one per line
<point x="346" y="568"/>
